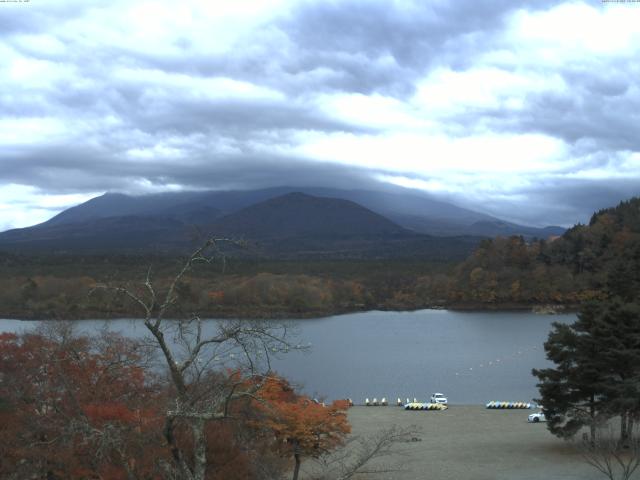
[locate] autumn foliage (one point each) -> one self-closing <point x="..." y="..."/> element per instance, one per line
<point x="301" y="426"/>
<point x="74" y="407"/>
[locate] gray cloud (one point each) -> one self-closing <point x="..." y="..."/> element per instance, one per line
<point x="138" y="118"/>
<point x="569" y="201"/>
<point x="360" y="46"/>
<point x="600" y="106"/>
<point x="377" y="47"/>
<point x="68" y="172"/>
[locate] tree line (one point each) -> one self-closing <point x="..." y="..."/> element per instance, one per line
<point x="504" y="272"/>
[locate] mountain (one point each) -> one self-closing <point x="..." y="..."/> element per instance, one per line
<point x="407" y="208"/>
<point x="493" y="228"/>
<point x="293" y="225"/>
<point x="297" y="225"/>
<point x="180" y="205"/>
<point x="130" y="233"/>
<point x="299" y="215"/>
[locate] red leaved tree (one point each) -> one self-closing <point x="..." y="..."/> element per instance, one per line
<point x="74" y="407"/>
<point x="302" y="426"/>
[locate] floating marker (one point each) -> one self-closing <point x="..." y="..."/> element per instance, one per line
<point x="508" y="405"/>
<point x="425" y="406"/>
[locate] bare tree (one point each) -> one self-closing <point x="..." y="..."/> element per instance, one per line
<point x="196" y="355"/>
<point x="365" y="455"/>
<point x="611" y="457"/>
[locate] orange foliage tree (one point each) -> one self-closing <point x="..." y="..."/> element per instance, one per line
<point x="302" y="426"/>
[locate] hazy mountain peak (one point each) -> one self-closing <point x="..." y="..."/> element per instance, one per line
<point x="300" y="214"/>
<point x="409" y="209"/>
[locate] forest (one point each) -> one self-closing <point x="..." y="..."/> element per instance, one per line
<point x="502" y="273"/>
<point x="567" y="270"/>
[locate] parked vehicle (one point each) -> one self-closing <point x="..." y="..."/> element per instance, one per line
<point x="537" y="417"/>
<point x="438" y="398"/>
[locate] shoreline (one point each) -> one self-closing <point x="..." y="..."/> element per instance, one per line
<point x="540" y="309"/>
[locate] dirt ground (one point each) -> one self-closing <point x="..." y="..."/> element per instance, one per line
<point x="471" y="442"/>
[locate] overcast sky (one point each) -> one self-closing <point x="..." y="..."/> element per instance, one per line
<point x="528" y="110"/>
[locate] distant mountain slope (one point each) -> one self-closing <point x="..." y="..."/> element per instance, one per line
<point x="299" y="215"/>
<point x="494" y="228"/>
<point x="407" y="208"/>
<point x="122" y="234"/>
<point x="294" y="225"/>
<point x="480" y="228"/>
<point x="182" y="205"/>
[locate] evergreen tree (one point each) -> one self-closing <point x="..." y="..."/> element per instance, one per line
<point x="617" y="333"/>
<point x="572" y="392"/>
<point x="597" y="372"/>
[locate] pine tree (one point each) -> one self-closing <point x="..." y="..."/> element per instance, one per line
<point x="597" y="372"/>
<point x="617" y="333"/>
<point x="572" y="392"/>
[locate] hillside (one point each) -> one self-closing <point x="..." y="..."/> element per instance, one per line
<point x="587" y="262"/>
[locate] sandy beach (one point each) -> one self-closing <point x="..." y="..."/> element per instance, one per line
<point x="471" y="442"/>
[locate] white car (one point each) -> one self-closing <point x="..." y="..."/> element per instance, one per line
<point x="438" y="398"/>
<point x="536" y="417"/>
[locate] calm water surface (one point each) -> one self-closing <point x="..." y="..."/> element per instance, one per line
<point x="472" y="357"/>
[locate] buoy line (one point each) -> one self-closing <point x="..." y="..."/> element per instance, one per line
<point x="507" y="405"/>
<point x="425" y="406"/>
<point x="496" y="362"/>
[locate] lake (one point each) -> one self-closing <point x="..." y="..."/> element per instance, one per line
<point x="472" y="357"/>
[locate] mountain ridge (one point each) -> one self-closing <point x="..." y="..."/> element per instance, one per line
<point x="408" y="209"/>
<point x="293" y="225"/>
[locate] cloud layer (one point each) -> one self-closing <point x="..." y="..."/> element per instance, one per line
<point x="526" y="110"/>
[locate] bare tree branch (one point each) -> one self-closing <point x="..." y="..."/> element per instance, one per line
<point x="358" y="456"/>
<point x="201" y="393"/>
<point x="610" y="457"/>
